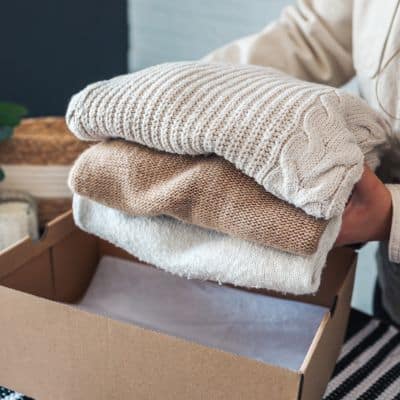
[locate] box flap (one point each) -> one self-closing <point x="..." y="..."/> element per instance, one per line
<point x="15" y="256"/>
<point x="35" y="277"/>
<point x="74" y="261"/>
<point x="320" y="360"/>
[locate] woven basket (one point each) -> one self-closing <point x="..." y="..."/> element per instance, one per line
<point x="41" y="141"/>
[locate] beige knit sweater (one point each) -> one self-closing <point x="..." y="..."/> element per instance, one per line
<point x="303" y="142"/>
<point x="204" y="191"/>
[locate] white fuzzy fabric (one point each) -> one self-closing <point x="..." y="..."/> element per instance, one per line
<point x="194" y="252"/>
<point x="17" y="221"/>
<point x="302" y="141"/>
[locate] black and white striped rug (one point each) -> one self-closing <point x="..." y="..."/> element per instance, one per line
<point x="369" y="364"/>
<point x="368" y="367"/>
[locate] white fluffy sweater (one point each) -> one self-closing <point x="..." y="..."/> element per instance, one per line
<point x="195" y="252"/>
<point x="304" y="142"/>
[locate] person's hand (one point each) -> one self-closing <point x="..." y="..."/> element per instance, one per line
<point x="368" y="214"/>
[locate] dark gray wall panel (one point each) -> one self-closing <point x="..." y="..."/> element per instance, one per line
<point x="51" y="48"/>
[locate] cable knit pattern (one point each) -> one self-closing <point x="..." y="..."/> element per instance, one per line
<point x="301" y="141"/>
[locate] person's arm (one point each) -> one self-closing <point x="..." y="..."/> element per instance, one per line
<point x="312" y="41"/>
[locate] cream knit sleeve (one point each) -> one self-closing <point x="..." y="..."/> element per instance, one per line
<point x="394" y="240"/>
<point x="312" y="41"/>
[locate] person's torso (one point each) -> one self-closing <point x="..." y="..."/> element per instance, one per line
<point x="376" y="57"/>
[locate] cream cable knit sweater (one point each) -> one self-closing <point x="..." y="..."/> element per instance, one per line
<point x="303" y="142"/>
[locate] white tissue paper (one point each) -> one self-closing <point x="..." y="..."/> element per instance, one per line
<point x="267" y="329"/>
<point x="260" y="327"/>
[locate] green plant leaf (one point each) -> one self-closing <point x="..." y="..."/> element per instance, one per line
<point x="5" y="132"/>
<point x="2" y="176"/>
<point x="11" y="114"/>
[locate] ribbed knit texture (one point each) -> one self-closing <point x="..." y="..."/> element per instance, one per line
<point x="302" y="141"/>
<point x="204" y="191"/>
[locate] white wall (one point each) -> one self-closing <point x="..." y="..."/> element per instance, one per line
<point x="365" y="279"/>
<point x="173" y="30"/>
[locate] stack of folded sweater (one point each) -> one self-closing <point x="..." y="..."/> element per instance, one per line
<point x="233" y="173"/>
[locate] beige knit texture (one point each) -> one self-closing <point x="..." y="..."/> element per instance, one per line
<point x="205" y="191"/>
<point x="301" y="141"/>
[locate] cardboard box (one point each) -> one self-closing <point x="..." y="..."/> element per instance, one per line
<point x="51" y="350"/>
